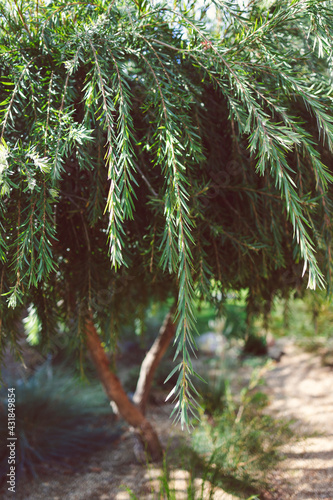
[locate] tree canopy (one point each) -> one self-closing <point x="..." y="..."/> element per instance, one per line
<point x="146" y="154"/>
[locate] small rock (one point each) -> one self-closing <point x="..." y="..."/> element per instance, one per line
<point x="211" y="343"/>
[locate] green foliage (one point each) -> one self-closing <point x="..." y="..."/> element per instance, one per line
<point x="56" y="421"/>
<point x="308" y="318"/>
<point x="235" y="320"/>
<point x="238" y="440"/>
<point x="146" y="155"/>
<point x="214" y="394"/>
<point x="205" y="313"/>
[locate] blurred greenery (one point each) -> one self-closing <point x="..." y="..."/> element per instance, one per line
<point x="237" y="441"/>
<point x="309" y="316"/>
<point x="58" y="419"/>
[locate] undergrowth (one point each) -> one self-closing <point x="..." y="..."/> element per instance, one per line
<point x="55" y="421"/>
<point x="234" y="447"/>
<point x="237" y="441"/>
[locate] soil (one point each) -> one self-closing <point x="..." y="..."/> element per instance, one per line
<point x="299" y="387"/>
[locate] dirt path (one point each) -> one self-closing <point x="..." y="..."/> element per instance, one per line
<point x="301" y="388"/>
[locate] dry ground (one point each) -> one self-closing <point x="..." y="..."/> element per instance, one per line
<point x="108" y="474"/>
<point x="302" y="388"/>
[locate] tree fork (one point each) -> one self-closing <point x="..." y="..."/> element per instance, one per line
<point x="116" y="393"/>
<point x="152" y="360"/>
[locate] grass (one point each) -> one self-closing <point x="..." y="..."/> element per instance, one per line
<point x="237" y="441"/>
<point x="56" y="421"/>
<point x="172" y="484"/>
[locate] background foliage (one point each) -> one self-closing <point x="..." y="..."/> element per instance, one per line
<point x="56" y="422"/>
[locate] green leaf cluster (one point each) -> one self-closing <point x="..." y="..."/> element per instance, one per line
<point x="146" y="154"/>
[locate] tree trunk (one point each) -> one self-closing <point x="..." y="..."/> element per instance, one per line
<point x="152" y="360"/>
<point x="116" y="393"/>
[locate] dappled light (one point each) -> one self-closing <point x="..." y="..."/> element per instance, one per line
<point x="166" y="208"/>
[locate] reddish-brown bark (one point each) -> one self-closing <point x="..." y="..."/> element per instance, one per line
<point x="116" y="393"/>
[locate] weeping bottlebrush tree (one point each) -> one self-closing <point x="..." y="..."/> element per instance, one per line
<point x="149" y="154"/>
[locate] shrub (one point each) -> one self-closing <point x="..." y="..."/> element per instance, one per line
<point x="238" y="442"/>
<point x="255" y="345"/>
